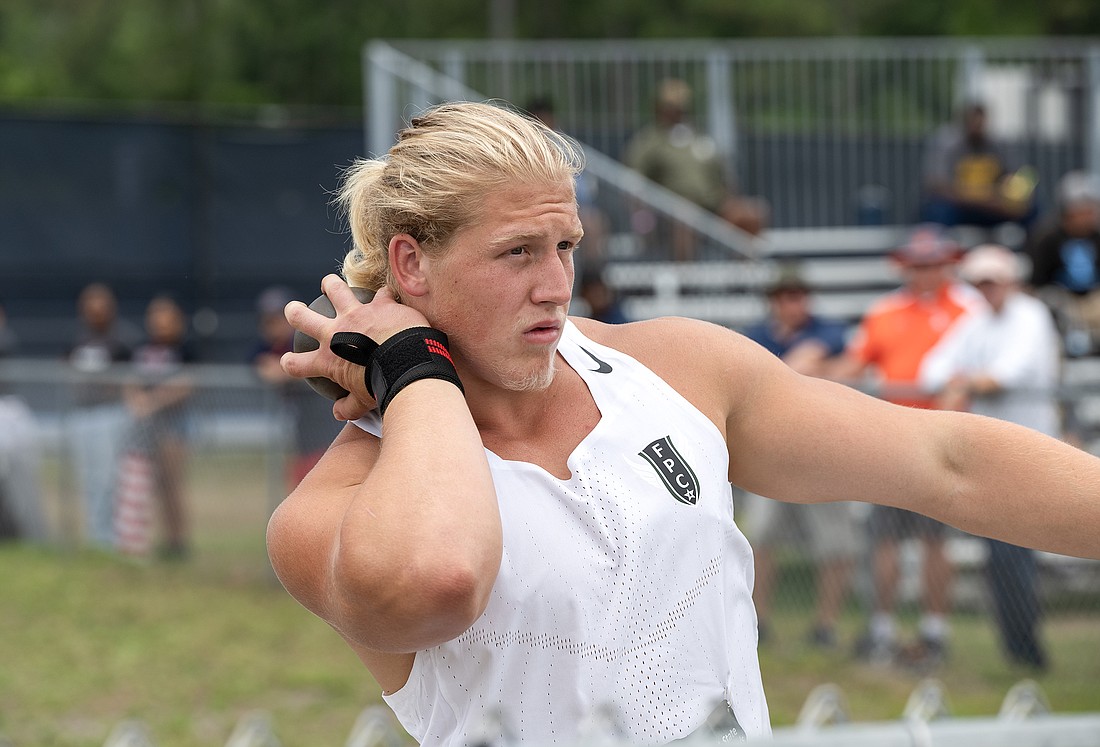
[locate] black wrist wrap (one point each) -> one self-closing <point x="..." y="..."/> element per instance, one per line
<point x="410" y="355"/>
<point x="354" y="347"/>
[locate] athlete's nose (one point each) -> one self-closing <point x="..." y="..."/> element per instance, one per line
<point x="555" y="283"/>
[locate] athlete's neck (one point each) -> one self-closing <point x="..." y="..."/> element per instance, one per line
<point x="497" y="409"/>
<point x="542" y="428"/>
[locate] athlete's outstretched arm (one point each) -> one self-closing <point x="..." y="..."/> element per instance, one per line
<point x="801" y="439"/>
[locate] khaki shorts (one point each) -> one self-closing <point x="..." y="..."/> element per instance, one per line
<point x="1074" y="310"/>
<point x="830" y="530"/>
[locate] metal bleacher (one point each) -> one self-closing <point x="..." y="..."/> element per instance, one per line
<point x="847" y="267"/>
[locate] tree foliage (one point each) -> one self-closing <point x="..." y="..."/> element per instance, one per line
<point x="299" y="52"/>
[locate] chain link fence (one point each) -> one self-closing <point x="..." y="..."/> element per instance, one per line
<point x="85" y="465"/>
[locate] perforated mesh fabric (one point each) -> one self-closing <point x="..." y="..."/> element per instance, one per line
<point x="614" y="595"/>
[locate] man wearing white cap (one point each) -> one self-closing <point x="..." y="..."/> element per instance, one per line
<point x="1003" y="362"/>
<point x="892" y="339"/>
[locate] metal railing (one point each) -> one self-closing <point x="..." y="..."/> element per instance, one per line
<point x="226" y="450"/>
<point x="399" y="85"/>
<point x="826" y="129"/>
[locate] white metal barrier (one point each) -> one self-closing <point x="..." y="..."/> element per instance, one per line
<point x="1041" y="731"/>
<point x="376" y="726"/>
<point x="254" y="730"/>
<point x="130" y="733"/>
<point x="1024" y="720"/>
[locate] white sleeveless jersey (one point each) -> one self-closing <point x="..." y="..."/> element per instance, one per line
<point x="624" y="590"/>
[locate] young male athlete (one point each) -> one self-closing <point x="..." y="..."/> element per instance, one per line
<point x="536" y="525"/>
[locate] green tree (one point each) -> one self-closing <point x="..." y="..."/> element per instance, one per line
<point x="298" y="52"/>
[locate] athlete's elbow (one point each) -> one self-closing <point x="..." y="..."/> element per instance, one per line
<point x="410" y="605"/>
<point x="953" y="485"/>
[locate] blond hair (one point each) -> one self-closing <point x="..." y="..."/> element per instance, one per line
<point x="432" y="182"/>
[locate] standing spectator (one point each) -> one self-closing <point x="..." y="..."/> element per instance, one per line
<point x="806" y="343"/>
<point x="1002" y="361"/>
<point x="893" y="338"/>
<point x="97" y="424"/>
<point x="1065" y="262"/>
<point x="673" y="154"/>
<point x="313" y="423"/>
<point x="969" y="179"/>
<point x="20" y="459"/>
<point x="157" y="401"/>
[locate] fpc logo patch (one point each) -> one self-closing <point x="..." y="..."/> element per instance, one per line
<point x="674" y="472"/>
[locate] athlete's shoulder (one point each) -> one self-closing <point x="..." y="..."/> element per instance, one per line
<point x="688" y="354"/>
<point x="663" y="335"/>
<point x="711" y="366"/>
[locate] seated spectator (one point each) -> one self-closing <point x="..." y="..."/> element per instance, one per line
<point x="601" y="299"/>
<point x="806" y="343"/>
<point x="673" y="154"/>
<point x="969" y="179"/>
<point x="1065" y="262"/>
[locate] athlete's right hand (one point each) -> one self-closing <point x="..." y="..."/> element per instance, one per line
<point x="378" y="320"/>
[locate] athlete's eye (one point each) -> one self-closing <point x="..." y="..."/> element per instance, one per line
<point x="565" y="246"/>
<point x="517" y="250"/>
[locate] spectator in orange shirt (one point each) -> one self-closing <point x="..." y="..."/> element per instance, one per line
<point x="892" y="340"/>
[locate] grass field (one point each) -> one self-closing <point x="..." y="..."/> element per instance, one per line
<point x="88" y="640"/>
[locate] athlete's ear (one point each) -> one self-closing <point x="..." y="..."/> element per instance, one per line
<point x="408" y="265"/>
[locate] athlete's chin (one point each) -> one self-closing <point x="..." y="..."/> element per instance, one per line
<point x="531" y="381"/>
